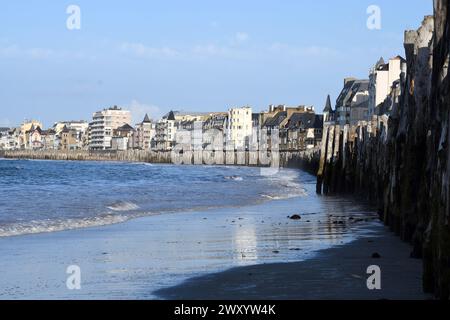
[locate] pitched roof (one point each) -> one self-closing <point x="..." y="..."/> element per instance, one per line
<point x="171" y="116"/>
<point x="48" y="132"/>
<point x="301" y="120"/>
<point x="146" y="119"/>
<point x="358" y="86"/>
<point x="33" y="128"/>
<point x="125" y="127"/>
<point x="351" y="88"/>
<point x="398" y="57"/>
<point x="65" y="129"/>
<point x="328" y="107"/>
<point x="341" y="98"/>
<point x="276" y="120"/>
<point x="380" y="63"/>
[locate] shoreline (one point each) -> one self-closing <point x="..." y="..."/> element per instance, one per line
<point x="338" y="273"/>
<point x="270" y="256"/>
<point x="131" y="260"/>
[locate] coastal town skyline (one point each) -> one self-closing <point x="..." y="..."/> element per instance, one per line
<point x="82" y="74"/>
<point x="298" y="127"/>
<point x="235" y="152"/>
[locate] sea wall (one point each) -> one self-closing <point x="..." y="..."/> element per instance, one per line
<point x="306" y="160"/>
<point x="405" y="167"/>
<point x="84" y="155"/>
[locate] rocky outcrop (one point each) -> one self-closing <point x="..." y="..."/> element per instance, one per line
<point x="405" y="166"/>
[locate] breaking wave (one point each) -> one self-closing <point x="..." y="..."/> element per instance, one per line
<point x="46" y="226"/>
<point x="234" y="178"/>
<point x="123" y="206"/>
<point x="290" y="182"/>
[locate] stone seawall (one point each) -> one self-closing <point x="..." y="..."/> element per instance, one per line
<point x="405" y="169"/>
<point x="306" y="160"/>
<point x="82" y="155"/>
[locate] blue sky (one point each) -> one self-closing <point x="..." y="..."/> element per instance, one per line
<point x="154" y="56"/>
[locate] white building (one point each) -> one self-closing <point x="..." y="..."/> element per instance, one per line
<point x="381" y="79"/>
<point x="165" y="132"/>
<point x="144" y="134"/>
<point x="102" y="126"/>
<point x="4" y="138"/>
<point x="240" y="126"/>
<point x="11" y="139"/>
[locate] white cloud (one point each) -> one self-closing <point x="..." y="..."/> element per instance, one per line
<point x="143" y="51"/>
<point x="210" y="49"/>
<point x="241" y="37"/>
<point x="138" y="111"/>
<point x="14" y="51"/>
<point x="40" y="53"/>
<point x="308" y="51"/>
<point x="9" y="51"/>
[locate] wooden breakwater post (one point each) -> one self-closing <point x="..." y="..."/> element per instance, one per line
<point x="338" y="159"/>
<point x="326" y="158"/>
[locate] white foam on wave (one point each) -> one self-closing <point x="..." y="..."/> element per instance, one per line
<point x="289" y="180"/>
<point x="47" y="226"/>
<point x="234" y="178"/>
<point x="142" y="164"/>
<point x="282" y="197"/>
<point x="123" y="206"/>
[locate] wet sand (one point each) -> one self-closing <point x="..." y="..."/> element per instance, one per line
<point x="154" y="257"/>
<point x="132" y="260"/>
<point x="339" y="273"/>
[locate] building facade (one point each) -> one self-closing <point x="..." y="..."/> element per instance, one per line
<point x="24" y="133"/>
<point x="240" y="126"/>
<point x="144" y="134"/>
<point x="103" y="124"/>
<point x="81" y="129"/>
<point x="381" y="79"/>
<point x="165" y="133"/>
<point x="68" y="139"/>
<point x="34" y="138"/>
<point x="4" y="138"/>
<point x="353" y="102"/>
<point x="123" y="138"/>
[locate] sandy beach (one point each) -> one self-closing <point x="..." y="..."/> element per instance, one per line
<point x="334" y="274"/>
<point x="172" y="232"/>
<point x="186" y="255"/>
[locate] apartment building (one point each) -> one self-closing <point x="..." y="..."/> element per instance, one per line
<point x="353" y="102"/>
<point x="382" y="78"/>
<point x="144" y="134"/>
<point x="103" y="124"/>
<point x="240" y="126"/>
<point x="166" y="132"/>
